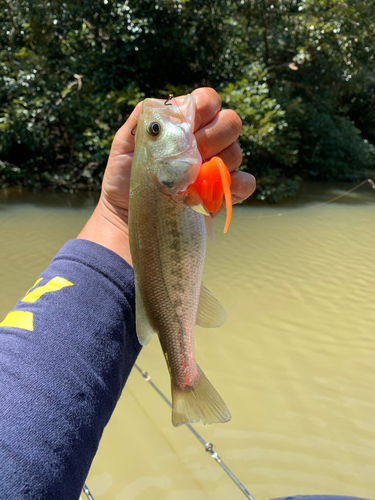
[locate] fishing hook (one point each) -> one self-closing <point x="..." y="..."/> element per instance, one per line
<point x="166" y="103"/>
<point x="170" y="97"/>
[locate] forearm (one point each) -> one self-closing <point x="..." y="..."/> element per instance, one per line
<point x="62" y="373"/>
<point x="108" y="228"/>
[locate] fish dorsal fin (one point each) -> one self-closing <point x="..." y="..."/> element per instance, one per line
<point x="209" y="227"/>
<point x="211" y="313"/>
<point x="142" y="324"/>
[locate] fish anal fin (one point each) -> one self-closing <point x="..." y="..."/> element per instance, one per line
<point x="200" y="402"/>
<point x="142" y="324"/>
<point x="211" y="313"/>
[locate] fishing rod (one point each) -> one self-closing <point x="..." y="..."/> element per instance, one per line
<point x="209" y="447"/>
<point x="87" y="492"/>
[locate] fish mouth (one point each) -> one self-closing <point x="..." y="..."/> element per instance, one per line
<point x="185" y="188"/>
<point x="179" y="176"/>
<point x="185" y="184"/>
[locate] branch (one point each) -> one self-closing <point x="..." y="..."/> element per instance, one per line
<point x="266" y="19"/>
<point x="306" y="86"/>
<point x="302" y="85"/>
<point x="10" y="14"/>
<point x="14" y="29"/>
<point x="291" y="65"/>
<point x="266" y="43"/>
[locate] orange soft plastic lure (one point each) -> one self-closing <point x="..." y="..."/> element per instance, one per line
<point x="212" y="183"/>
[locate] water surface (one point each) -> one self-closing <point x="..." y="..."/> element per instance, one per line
<point x="294" y="362"/>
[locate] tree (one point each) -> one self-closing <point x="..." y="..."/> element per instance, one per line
<point x="299" y="72"/>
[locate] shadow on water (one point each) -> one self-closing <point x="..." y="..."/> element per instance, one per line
<point x="16" y="196"/>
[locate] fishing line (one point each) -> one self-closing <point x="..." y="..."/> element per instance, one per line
<point x="370" y="181"/>
<point x="209" y="447"/>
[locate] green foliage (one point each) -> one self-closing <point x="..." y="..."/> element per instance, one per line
<point x="269" y="145"/>
<point x="57" y="119"/>
<point x="331" y="145"/>
<point x="318" y="58"/>
<point x="300" y="73"/>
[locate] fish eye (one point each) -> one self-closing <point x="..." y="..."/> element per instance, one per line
<point x="154" y="128"/>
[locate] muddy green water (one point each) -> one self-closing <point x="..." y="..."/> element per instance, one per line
<point x="295" y="361"/>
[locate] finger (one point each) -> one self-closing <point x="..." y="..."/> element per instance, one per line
<point x="207" y="106"/>
<point x="123" y="142"/>
<point x="219" y="134"/>
<point x="243" y="185"/>
<point x="231" y="156"/>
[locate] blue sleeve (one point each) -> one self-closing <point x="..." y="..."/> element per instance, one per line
<point x="66" y="351"/>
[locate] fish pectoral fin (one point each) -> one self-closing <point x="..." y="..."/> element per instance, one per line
<point x="209" y="227"/>
<point x="211" y="314"/>
<point x="142" y="324"/>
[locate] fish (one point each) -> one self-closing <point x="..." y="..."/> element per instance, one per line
<point x="167" y="233"/>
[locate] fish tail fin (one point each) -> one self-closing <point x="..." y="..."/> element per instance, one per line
<point x="198" y="402"/>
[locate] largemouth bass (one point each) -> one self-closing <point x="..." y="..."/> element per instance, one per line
<point x="168" y="245"/>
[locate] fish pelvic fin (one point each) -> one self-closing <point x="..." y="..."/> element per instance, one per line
<point x="201" y="402"/>
<point x="200" y="210"/>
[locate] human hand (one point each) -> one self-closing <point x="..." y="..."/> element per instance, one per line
<point x="216" y="132"/>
